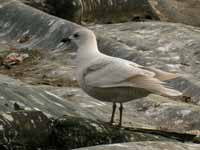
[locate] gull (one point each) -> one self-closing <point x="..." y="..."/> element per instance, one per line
<point x="113" y="79"/>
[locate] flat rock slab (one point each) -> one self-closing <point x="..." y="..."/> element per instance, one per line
<point x="15" y="95"/>
<point x="146" y="146"/>
<point x="153" y="112"/>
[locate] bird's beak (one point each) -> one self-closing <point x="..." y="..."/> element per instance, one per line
<point x="66" y="40"/>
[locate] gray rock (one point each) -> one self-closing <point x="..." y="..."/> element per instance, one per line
<point x="45" y="32"/>
<point x="67" y="9"/>
<point x="164" y="45"/>
<point x="184" y="11"/>
<point x="117" y="11"/>
<point x="73" y="132"/>
<point x="20" y="129"/>
<point x="146" y="146"/>
<point x="44" y="35"/>
<point x="92" y="11"/>
<point x="83" y="116"/>
<point x="15" y="94"/>
<point x="172" y="47"/>
<point x="153" y="112"/>
<point x="33" y="130"/>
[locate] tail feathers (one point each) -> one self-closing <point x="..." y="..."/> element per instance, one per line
<point x="155" y="86"/>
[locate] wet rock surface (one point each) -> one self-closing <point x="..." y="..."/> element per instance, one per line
<point x="146" y="146"/>
<point x="43" y="84"/>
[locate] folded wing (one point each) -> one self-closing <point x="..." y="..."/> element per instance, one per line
<point x="119" y="73"/>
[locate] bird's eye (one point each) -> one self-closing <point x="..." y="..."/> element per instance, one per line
<point x="76" y="35"/>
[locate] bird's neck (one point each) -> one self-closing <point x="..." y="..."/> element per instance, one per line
<point x="86" y="53"/>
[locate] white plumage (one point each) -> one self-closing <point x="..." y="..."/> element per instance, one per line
<point x="114" y="79"/>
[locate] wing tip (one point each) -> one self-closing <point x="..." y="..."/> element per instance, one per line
<point x="171" y="92"/>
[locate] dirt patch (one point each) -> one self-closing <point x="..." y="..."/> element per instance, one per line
<point x="32" y="70"/>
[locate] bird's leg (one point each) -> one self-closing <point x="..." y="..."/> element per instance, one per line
<point x="120" y="117"/>
<point x="113" y="113"/>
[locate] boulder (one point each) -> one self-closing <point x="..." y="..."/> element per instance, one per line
<point x="67" y="9"/>
<point x="183" y="11"/>
<point x="117" y="11"/>
<point x="45" y="32"/>
<point x="74" y="132"/>
<point x="44" y="35"/>
<point x="24" y="129"/>
<point x="92" y="11"/>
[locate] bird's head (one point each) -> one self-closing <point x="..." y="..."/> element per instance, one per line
<point x="81" y="38"/>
